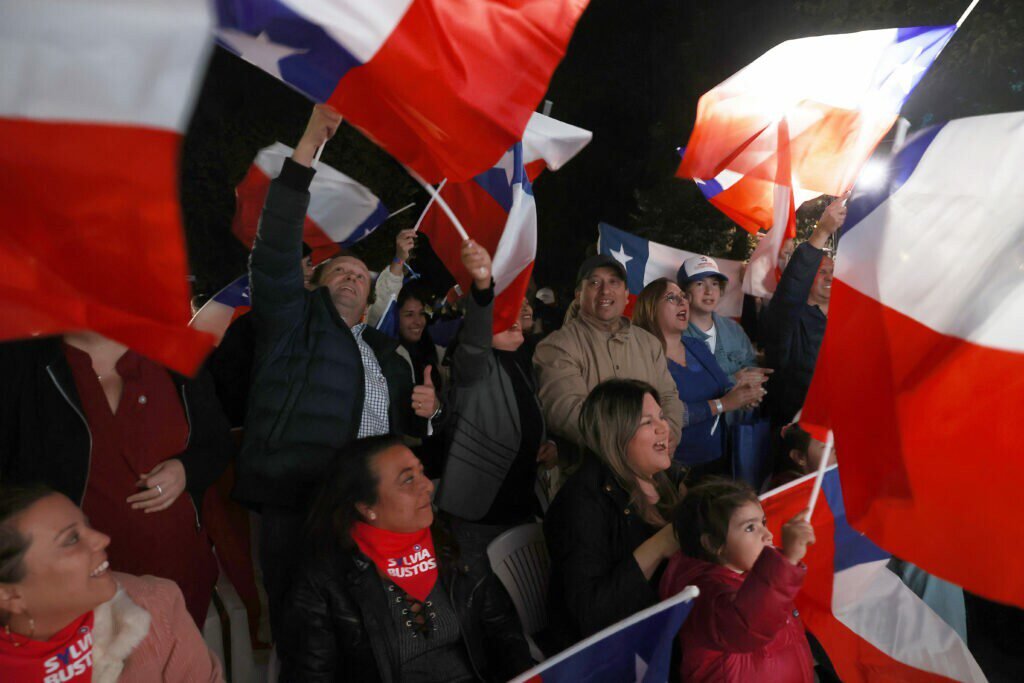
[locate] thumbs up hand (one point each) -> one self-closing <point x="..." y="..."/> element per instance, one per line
<point x="424" y="396"/>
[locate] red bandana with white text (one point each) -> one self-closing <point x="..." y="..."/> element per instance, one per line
<point x="67" y="656"/>
<point x="406" y="559"/>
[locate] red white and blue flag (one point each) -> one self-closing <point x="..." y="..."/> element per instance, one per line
<point x="93" y="104"/>
<point x="445" y="87"/>
<point x="341" y="211"/>
<point x="872" y="625"/>
<point x="498" y="208"/>
<point x="637" y="649"/>
<point x="646" y="261"/>
<point x="812" y="109"/>
<point x="219" y="312"/>
<point x="921" y="373"/>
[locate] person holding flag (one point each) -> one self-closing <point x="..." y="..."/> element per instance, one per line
<point x="744" y="626"/>
<point x="322" y="376"/>
<point x="795" y="322"/>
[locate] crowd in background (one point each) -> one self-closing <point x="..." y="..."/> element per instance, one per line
<point x="382" y="468"/>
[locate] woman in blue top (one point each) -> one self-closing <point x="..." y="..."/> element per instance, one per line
<point x="663" y="310"/>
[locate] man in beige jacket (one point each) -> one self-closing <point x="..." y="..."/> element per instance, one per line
<point x="598" y="343"/>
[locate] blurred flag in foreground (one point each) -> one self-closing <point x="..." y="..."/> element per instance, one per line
<point x="93" y="102"/>
<point x="872" y="626"/>
<point x="219" y="312"/>
<point x="637" y="649"/>
<point x="646" y="261"/>
<point x="445" y="87"/>
<point x="921" y="373"/>
<point x="802" y="119"/>
<point x="498" y="210"/>
<point x="341" y="211"/>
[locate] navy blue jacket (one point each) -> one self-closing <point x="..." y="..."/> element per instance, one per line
<point x="793" y="335"/>
<point x="307" y="394"/>
<point x="701" y="381"/>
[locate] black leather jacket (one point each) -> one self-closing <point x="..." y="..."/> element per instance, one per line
<point x="336" y="623"/>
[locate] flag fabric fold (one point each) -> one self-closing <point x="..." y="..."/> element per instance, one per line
<point x="498" y="209"/>
<point x="819" y="105"/>
<point x="646" y="261"/>
<point x="445" y="87"/>
<point x="921" y="372"/>
<point x="341" y="211"/>
<point x="93" y="105"/>
<point x="872" y="626"/>
<point x="220" y="311"/>
<point x="638" y="648"/>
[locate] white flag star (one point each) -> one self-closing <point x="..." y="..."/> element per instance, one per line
<point x="903" y="75"/>
<point x="621" y="255"/>
<point x="259" y="50"/>
<point x="641" y="669"/>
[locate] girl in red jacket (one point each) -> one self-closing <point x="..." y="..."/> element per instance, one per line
<point x="743" y="626"/>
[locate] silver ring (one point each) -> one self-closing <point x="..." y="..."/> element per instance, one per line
<point x="417" y="405"/>
<point x="159" y="490"/>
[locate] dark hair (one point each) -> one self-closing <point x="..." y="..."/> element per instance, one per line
<point x="352" y="480"/>
<point x="14" y="500"/>
<point x="701" y="520"/>
<point x="794" y="438"/>
<point x="415" y="291"/>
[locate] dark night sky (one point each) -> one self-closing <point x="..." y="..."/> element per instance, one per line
<point x="632" y="74"/>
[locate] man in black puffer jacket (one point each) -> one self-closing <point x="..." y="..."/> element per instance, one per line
<point x="321" y="377"/>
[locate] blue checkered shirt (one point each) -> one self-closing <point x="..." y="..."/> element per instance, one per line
<point x="374" y="420"/>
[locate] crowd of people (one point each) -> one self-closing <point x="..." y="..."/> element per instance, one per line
<point x="382" y="468"/>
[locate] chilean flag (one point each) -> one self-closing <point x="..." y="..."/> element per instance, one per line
<point x="341" y="211"/>
<point x="921" y="373"/>
<point x="499" y="210"/>
<point x="637" y="649"/>
<point x="646" y="261"/>
<point x="93" y="103"/>
<point x="445" y="86"/>
<point x="872" y="625"/>
<point x="804" y="116"/>
<point x="218" y="313"/>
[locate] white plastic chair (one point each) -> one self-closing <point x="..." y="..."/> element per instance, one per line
<point x="519" y="558"/>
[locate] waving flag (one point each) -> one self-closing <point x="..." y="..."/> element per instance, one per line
<point x="93" y="102"/>
<point x="341" y="211"/>
<point x="646" y="261"/>
<point x="924" y="354"/>
<point x="499" y="209"/>
<point x="872" y="626"/>
<point x="818" y="106"/>
<point x="637" y="649"/>
<point x="219" y="312"/>
<point x="445" y="87"/>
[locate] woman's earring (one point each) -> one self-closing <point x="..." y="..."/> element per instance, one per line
<point x="372" y="515"/>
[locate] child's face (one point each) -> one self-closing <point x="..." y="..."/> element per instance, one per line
<point x="748" y="536"/>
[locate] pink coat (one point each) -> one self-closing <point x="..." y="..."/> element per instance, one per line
<point x="743" y="627"/>
<point x="144" y="634"/>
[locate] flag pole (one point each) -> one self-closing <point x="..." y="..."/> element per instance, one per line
<point x="436" y="196"/>
<point x="416" y="228"/>
<point x="404" y="208"/>
<point x="822" y="466"/>
<point x="319" y="151"/>
<point x="966" y="13"/>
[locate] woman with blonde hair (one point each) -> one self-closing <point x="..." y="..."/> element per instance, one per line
<point x="607" y="530"/>
<point x="662" y="309"/>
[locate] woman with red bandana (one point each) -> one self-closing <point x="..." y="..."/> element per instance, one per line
<point x="383" y="596"/>
<point x="64" y="616"/>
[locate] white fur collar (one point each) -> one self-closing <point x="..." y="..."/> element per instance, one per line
<point x="120" y="625"/>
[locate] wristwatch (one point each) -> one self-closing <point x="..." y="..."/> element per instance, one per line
<point x="719" y="408"/>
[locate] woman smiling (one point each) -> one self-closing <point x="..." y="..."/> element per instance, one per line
<point x="67" y="617"/>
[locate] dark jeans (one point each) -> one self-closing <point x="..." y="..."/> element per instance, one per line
<point x="280" y="546"/>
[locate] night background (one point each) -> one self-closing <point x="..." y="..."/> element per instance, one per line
<point x="632" y="74"/>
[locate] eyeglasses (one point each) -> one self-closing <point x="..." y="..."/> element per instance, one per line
<point x="677" y="299"/>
